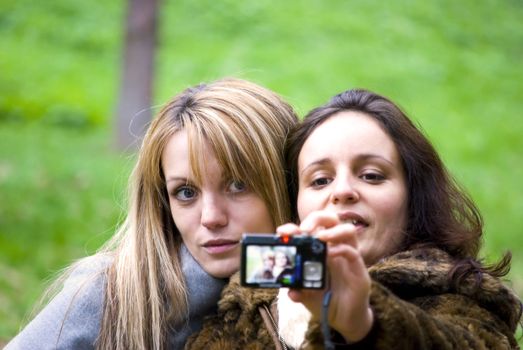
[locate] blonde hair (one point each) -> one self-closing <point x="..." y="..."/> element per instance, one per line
<point x="246" y="125"/>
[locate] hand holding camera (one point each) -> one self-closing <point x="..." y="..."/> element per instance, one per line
<point x="349" y="281"/>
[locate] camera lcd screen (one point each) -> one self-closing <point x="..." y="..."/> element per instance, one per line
<point x="272" y="261"/>
<point x="272" y="265"/>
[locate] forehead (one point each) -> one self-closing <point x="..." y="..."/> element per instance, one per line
<point x="347" y="134"/>
<point x="179" y="159"/>
<point x="176" y="148"/>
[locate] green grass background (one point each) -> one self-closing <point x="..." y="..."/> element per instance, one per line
<point x="456" y="67"/>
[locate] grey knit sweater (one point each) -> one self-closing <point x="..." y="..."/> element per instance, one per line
<point x="72" y="319"/>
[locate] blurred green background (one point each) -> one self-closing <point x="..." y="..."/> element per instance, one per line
<point x="456" y="67"/>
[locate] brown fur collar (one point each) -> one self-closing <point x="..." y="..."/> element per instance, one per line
<point x="238" y="324"/>
<point x="423" y="272"/>
<point x="416" y="275"/>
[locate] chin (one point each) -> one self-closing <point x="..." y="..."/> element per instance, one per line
<point x="221" y="270"/>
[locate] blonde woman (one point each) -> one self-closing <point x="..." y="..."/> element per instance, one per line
<point x="211" y="167"/>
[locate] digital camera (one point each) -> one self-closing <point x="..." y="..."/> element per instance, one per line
<point x="273" y="261"/>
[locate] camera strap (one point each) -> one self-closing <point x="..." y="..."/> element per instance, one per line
<point x="268" y="313"/>
<point x="325" y="329"/>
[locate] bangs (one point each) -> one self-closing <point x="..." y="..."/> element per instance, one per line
<point x="233" y="150"/>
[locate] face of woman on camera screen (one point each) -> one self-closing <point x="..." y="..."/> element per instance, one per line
<point x="211" y="216"/>
<point x="349" y="165"/>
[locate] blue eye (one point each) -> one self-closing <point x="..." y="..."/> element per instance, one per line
<point x="185" y="193"/>
<point x="237" y="186"/>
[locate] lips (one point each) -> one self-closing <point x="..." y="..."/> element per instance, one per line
<point x="353" y="218"/>
<point x="218" y="246"/>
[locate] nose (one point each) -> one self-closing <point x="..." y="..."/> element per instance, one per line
<point x="344" y="191"/>
<point x="214" y="212"/>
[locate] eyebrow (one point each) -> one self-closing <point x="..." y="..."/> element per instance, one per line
<point x="176" y="178"/>
<point x="179" y="178"/>
<point x="321" y="161"/>
<point x="371" y="156"/>
<point x="360" y="157"/>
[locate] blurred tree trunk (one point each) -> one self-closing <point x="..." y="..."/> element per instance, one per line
<point x="136" y="90"/>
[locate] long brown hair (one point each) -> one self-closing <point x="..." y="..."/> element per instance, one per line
<point x="246" y="125"/>
<point x="440" y="213"/>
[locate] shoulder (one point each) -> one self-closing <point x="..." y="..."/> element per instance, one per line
<point x="423" y="268"/>
<point x="72" y="318"/>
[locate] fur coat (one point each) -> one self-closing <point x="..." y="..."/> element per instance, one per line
<point x="415" y="307"/>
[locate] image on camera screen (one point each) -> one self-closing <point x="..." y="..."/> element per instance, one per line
<point x="271" y="264"/>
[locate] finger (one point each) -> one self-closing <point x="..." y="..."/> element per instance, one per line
<point x="295" y="295"/>
<point x="345" y="262"/>
<point x="310" y="298"/>
<point x="288" y="229"/>
<point x="319" y="219"/>
<point x="342" y="233"/>
<point x="345" y="251"/>
<point x="304" y="295"/>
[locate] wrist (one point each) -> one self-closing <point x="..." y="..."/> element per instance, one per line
<point x="356" y="331"/>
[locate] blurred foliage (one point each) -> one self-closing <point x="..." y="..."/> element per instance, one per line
<point x="59" y="61"/>
<point x="455" y="67"/>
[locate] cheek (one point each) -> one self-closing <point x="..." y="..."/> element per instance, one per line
<point x="394" y="209"/>
<point x="391" y="209"/>
<point x="254" y="216"/>
<point x="310" y="200"/>
<point x="183" y="221"/>
<point x="303" y="205"/>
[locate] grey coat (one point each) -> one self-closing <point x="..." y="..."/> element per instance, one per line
<point x="72" y="319"/>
